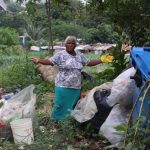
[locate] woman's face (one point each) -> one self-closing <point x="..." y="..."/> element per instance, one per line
<point x="70" y="45"/>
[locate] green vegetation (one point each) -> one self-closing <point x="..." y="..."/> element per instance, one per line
<point x="8" y="37"/>
<point x="120" y="12"/>
<point x="18" y="72"/>
<point x="105" y="22"/>
<point x="116" y="21"/>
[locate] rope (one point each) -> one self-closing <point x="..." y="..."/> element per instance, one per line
<point x="147" y="84"/>
<point x="143" y="99"/>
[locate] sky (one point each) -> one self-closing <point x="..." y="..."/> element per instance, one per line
<point x="84" y="1"/>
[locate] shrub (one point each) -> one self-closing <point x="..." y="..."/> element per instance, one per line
<point x="120" y="62"/>
<point x="61" y="30"/>
<point x="8" y="36"/>
<point x="9" y="50"/>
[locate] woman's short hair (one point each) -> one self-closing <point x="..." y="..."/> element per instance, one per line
<point x="71" y="37"/>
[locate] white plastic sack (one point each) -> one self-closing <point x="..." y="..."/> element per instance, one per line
<point x="117" y="116"/>
<point x="122" y="89"/>
<point x="21" y="105"/>
<point x="86" y="107"/>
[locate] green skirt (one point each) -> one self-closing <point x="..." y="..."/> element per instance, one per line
<point x="65" y="100"/>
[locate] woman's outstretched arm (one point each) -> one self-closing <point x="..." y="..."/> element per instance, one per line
<point x="94" y="62"/>
<point x="42" y="61"/>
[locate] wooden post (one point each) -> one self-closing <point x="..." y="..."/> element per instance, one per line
<point x="48" y="11"/>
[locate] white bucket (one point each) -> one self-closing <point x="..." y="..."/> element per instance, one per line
<point x="22" y="131"/>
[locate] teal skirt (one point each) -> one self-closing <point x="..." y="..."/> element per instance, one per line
<point x="65" y="99"/>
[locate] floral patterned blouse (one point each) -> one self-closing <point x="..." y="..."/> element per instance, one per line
<point x="69" y="69"/>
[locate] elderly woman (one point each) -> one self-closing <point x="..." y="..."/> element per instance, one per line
<point x="68" y="79"/>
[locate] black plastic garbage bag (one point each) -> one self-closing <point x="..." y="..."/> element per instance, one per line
<point x="103" y="111"/>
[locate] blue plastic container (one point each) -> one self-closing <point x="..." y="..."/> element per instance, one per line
<point x="140" y="59"/>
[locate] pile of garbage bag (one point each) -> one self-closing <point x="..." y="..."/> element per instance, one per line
<point x="107" y="106"/>
<point x="19" y="106"/>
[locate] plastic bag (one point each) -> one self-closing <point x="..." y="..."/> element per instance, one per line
<point x="86" y="107"/>
<point x="122" y="89"/>
<point x="117" y="116"/>
<point x="100" y="116"/>
<point x="21" y="105"/>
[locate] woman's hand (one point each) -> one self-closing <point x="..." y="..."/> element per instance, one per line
<point x="106" y="58"/>
<point x="35" y="60"/>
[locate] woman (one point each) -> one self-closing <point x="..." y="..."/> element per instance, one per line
<point x="68" y="79"/>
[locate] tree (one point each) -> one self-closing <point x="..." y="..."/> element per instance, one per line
<point x="8" y="37"/>
<point x="132" y="17"/>
<point x="13" y="7"/>
<point x="107" y="34"/>
<point x="15" y="21"/>
<point x="35" y="32"/>
<point x="62" y="29"/>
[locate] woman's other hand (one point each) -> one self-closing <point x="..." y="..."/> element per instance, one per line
<point x="35" y="60"/>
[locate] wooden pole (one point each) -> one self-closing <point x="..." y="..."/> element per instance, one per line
<point x="48" y="11"/>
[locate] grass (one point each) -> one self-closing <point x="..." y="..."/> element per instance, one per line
<point x="65" y="135"/>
